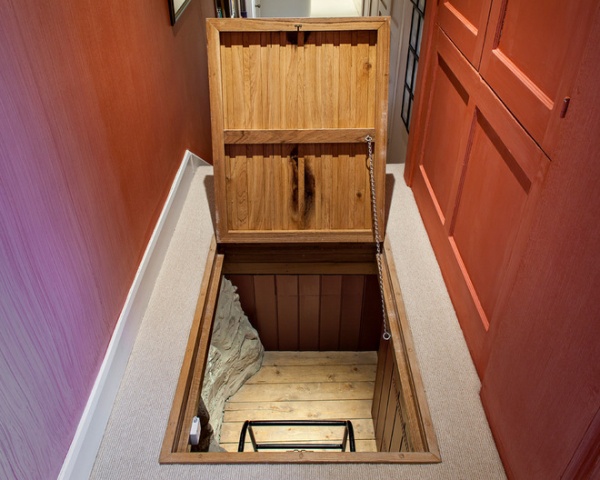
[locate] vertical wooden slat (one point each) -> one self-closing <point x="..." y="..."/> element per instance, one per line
<point x="360" y="191"/>
<point x="345" y="79"/>
<point x="248" y="94"/>
<point x="334" y="79"/>
<point x="349" y="194"/>
<point x="265" y="72"/>
<point x="275" y="86"/>
<point x="390" y="417"/>
<point x="397" y="438"/>
<point x="324" y="158"/>
<point x="354" y="74"/>
<point x="362" y="67"/>
<point x="352" y="299"/>
<point x="371" y="323"/>
<point x="291" y="119"/>
<point x="226" y="75"/>
<point x="287" y="311"/>
<point x="237" y="201"/>
<point x="312" y="166"/>
<point x="328" y="83"/>
<point x="311" y="91"/>
<point x="309" y="291"/>
<point x="383" y="401"/>
<point x="319" y="118"/>
<point x="257" y="201"/>
<point x="291" y="162"/>
<point x="283" y="85"/>
<point x="379" y="375"/>
<point x="331" y="297"/>
<point x="237" y="74"/>
<point x="336" y="209"/>
<point x="266" y="310"/>
<point x="254" y="79"/>
<point x="301" y="75"/>
<point x="279" y="207"/>
<point x="273" y="181"/>
<point x="372" y="78"/>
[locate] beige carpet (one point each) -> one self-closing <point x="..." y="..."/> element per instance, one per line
<point x="133" y="437"/>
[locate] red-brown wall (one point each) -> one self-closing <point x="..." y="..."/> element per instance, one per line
<point x="98" y="103"/>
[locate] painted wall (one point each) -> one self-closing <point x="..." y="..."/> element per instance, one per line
<point x="98" y="103"/>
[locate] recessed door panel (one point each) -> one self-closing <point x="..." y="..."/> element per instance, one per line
<point x="445" y="131"/>
<point x="530" y="55"/>
<point x="464" y="21"/>
<point x="493" y="198"/>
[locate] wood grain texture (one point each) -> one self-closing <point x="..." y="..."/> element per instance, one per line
<point x="312" y="93"/>
<point x="95" y="118"/>
<point x="305" y="385"/>
<point x="297" y="188"/>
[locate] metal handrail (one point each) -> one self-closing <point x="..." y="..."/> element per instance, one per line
<point x="348" y="436"/>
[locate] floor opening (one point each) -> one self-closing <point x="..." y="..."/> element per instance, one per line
<point x="310" y="349"/>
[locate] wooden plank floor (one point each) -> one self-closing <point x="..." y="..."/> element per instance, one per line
<point x="305" y="386"/>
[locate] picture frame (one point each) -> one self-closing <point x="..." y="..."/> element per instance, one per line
<point x="176" y="8"/>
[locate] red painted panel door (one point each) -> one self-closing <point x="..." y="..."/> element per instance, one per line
<point x="531" y="52"/>
<point x="465" y="21"/>
<point x="475" y="184"/>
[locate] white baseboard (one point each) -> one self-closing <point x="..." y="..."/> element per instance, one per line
<point x="80" y="459"/>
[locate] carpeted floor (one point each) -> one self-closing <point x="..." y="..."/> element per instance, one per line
<point x="133" y="437"/>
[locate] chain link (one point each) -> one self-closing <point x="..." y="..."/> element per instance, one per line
<point x="369" y="140"/>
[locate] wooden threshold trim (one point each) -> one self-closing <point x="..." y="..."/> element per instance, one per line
<point x="301" y="457"/>
<point x="279" y="136"/>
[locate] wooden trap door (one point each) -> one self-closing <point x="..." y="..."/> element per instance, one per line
<point x="291" y="107"/>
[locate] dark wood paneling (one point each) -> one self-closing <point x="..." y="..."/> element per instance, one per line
<point x="331" y="303"/>
<point x="371" y="318"/>
<point x="313" y="312"/>
<point x="287" y="311"/>
<point x="353" y="289"/>
<point x="309" y="287"/>
<point x="266" y="311"/>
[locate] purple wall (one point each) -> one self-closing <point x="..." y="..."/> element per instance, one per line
<point x="98" y="102"/>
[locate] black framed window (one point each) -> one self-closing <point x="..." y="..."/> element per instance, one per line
<point x="412" y="63"/>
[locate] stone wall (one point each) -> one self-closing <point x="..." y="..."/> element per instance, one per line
<point x="235" y="354"/>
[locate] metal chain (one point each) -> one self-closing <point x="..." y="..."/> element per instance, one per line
<point x="369" y="140"/>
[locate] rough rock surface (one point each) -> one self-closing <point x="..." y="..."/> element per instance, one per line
<point x="235" y="354"/>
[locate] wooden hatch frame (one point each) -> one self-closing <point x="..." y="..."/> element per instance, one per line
<point x="405" y="377"/>
<point x="311" y="242"/>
